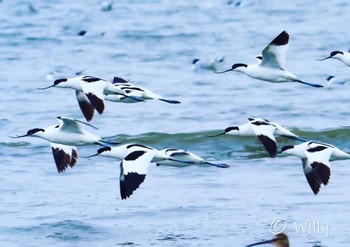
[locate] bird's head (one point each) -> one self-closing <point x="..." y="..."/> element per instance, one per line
<point x="333" y="54"/>
<point x="57" y="83"/>
<point x="236" y="67"/>
<point x="336" y="54"/>
<point x="32" y="132"/>
<point x="105" y="151"/>
<point x="280" y="240"/>
<point x="229" y="130"/>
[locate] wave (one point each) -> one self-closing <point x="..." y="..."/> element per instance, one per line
<point x="339" y="135"/>
<point x="67" y="231"/>
<point x="221" y="147"/>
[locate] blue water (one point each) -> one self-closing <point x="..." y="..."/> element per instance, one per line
<point x="152" y="43"/>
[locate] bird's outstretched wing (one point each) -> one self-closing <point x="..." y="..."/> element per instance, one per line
<point x="133" y="170"/>
<point x="274" y="54"/>
<point x="85" y="105"/>
<point x="318" y="157"/>
<point x="317" y="167"/>
<point x="180" y="154"/>
<point x="64" y="156"/>
<point x="180" y="158"/>
<point x="264" y="131"/>
<point x="93" y="88"/>
<point x="72" y="125"/>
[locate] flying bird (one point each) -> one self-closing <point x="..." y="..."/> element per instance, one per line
<point x="134" y="94"/>
<point x="133" y="167"/>
<point x="315" y="159"/>
<point x="264" y="130"/>
<point x="137" y="157"/>
<point x="64" y="137"/>
<point x="271" y="67"/>
<point x="90" y="92"/>
<point x="180" y="158"/>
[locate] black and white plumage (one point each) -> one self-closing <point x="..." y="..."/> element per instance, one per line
<point x="133" y="169"/>
<point x="181" y="158"/>
<point x="274" y="54"/>
<point x="90" y="92"/>
<point x="137" y="157"/>
<point x="134" y="94"/>
<point x="64" y="156"/>
<point x="166" y="156"/>
<point x="272" y="66"/>
<point x="94" y="88"/>
<point x="64" y="138"/>
<point x="264" y="130"/>
<point x="315" y="159"/>
<point x="85" y="105"/>
<point x="342" y="56"/>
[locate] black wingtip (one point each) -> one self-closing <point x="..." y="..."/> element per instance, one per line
<point x="130" y="183"/>
<point x="281" y="39"/>
<point x="269" y="144"/>
<point x="87" y="110"/>
<point x="322" y="171"/>
<point x="74" y="158"/>
<point x="63" y="160"/>
<point x="314" y="181"/>
<point x="123" y="190"/>
<point x="96" y="102"/>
